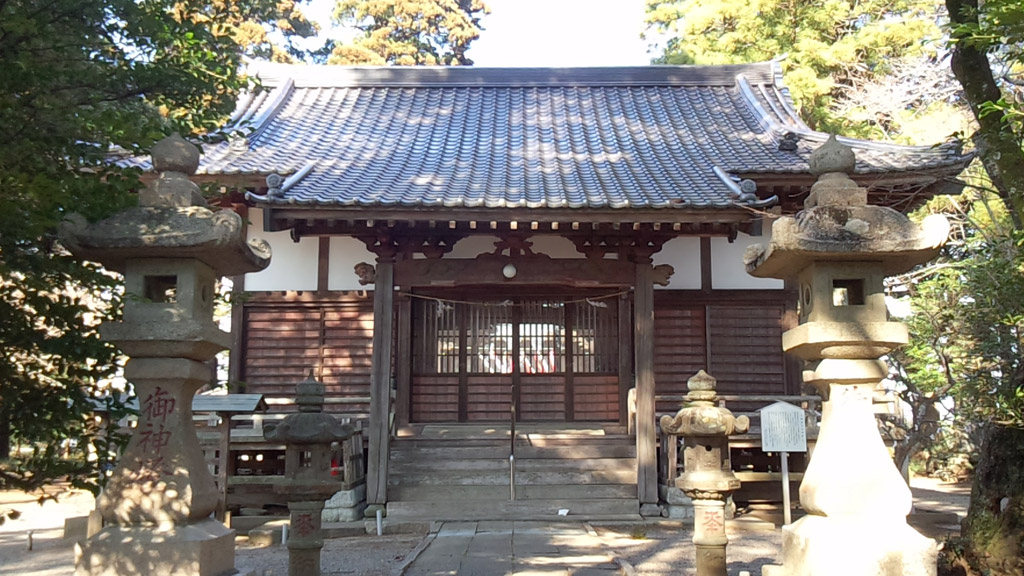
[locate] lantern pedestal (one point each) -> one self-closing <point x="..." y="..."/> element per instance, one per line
<point x="204" y="548"/>
<point x="815" y="545"/>
<point x="171" y="250"/>
<point x="707" y="477"/>
<point x="839" y="250"/>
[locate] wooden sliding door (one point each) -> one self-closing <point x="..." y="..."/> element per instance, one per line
<point x="554" y="359"/>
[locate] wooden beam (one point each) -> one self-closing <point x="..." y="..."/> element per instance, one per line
<point x="643" y="338"/>
<point x="706" y="269"/>
<point x="380" y="382"/>
<point x="323" y="265"/>
<point x="626" y="218"/>
<point x="487" y="269"/>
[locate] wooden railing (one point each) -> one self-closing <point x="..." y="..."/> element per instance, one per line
<point x="253" y="466"/>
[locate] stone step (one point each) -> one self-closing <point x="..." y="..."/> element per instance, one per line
<point x="433" y="493"/>
<point x="523" y="477"/>
<point x="401" y="453"/>
<point x="416" y="442"/>
<point x="570" y="440"/>
<point x="469" y="510"/>
<point x="484" y="466"/>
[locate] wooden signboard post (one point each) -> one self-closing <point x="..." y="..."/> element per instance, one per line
<point x="783" y="430"/>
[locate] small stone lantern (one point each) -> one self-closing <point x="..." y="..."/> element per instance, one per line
<point x="840" y="248"/>
<point x="171" y="249"/>
<point x="707" y="478"/>
<point x="307" y="436"/>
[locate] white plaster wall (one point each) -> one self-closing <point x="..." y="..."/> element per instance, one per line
<point x="683" y="254"/>
<point x="345" y="254"/>
<point x="727" y="269"/>
<point x="292" y="265"/>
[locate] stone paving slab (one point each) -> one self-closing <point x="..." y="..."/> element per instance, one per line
<point x="497" y="548"/>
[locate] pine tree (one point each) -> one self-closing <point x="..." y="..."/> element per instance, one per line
<point x="827" y="46"/>
<point x="408" y="32"/>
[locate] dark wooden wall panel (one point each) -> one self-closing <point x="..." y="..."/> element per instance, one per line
<point x="736" y="336"/>
<point x="489" y="398"/>
<point x="542" y="397"/>
<point x="332" y="337"/>
<point x="435" y="399"/>
<point x="746" y="349"/>
<point x="596" y="398"/>
<point x="679" y="350"/>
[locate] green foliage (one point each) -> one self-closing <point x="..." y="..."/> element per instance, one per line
<point x="988" y="60"/>
<point x="78" y="78"/>
<point x="829" y="47"/>
<point x="967" y="324"/>
<point x="265" y="29"/>
<point x="408" y="32"/>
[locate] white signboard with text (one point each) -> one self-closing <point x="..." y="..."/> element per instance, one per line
<point x="783" y="428"/>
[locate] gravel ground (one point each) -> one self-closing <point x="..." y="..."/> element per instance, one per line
<point x="663" y="550"/>
<point x="352" y="556"/>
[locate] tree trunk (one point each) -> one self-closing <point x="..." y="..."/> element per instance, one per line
<point x="5" y="435"/>
<point x="997" y="144"/>
<point x="994" y="527"/>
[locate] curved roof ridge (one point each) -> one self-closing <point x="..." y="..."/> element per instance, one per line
<point x="777" y="126"/>
<point x="331" y="76"/>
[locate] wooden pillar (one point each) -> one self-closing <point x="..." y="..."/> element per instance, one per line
<point x="403" y="360"/>
<point x="625" y="358"/>
<point x="643" y="338"/>
<point x="380" y="383"/>
<point x="223" y="459"/>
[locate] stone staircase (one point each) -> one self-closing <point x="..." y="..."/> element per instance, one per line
<point x="462" y="473"/>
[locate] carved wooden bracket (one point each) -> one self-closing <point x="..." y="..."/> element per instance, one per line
<point x="388" y="245"/>
<point x="634" y="248"/>
<point x="661" y="273"/>
<point x="537" y="269"/>
<point x="366" y="272"/>
<point x="516" y="245"/>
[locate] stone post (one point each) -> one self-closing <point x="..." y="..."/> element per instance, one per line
<point x="840" y="249"/>
<point x="171" y="249"/>
<point x="307" y="436"/>
<point x="707" y="478"/>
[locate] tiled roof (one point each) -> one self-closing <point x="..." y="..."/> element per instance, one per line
<point x="587" y="138"/>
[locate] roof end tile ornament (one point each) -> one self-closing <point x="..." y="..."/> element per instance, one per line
<point x="278" y="184"/>
<point x="744" y="190"/>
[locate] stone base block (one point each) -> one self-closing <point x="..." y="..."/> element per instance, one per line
<point x="268" y="534"/>
<point x="205" y="548"/>
<point x="818" y="545"/>
<point x="344" y="514"/>
<point x="650" y="510"/>
<point x="82" y="527"/>
<point x="345" y="505"/>
<point x="678" y="506"/>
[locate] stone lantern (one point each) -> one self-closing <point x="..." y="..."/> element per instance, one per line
<point x="307" y="437"/>
<point x="171" y="249"/>
<point x="839" y="249"/>
<point x="707" y="477"/>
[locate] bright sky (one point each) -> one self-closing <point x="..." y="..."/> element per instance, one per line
<point x="551" y="32"/>
<point x="562" y="33"/>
